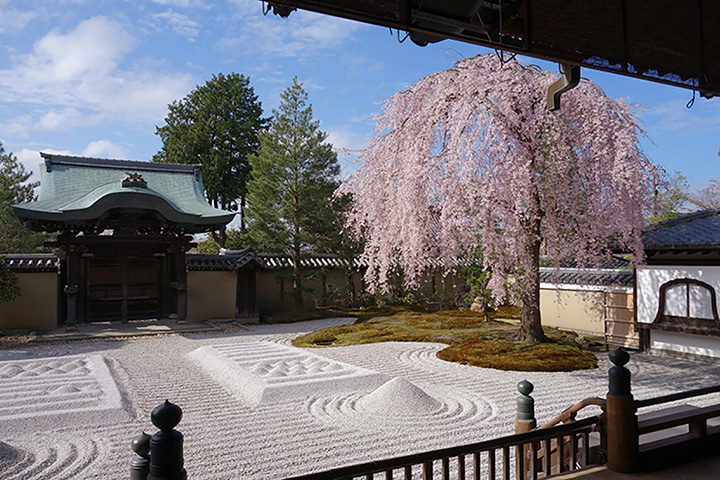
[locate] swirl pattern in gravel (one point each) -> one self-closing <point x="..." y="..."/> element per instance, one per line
<point x="225" y="438"/>
<point x="400" y="404"/>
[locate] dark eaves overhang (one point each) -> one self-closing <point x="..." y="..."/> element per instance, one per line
<point x="663" y="41"/>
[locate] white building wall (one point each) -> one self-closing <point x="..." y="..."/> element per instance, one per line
<point x="648" y="281"/>
<point x="650" y="278"/>
<point x="685" y="343"/>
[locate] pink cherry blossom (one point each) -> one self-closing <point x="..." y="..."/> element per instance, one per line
<point x="470" y="157"/>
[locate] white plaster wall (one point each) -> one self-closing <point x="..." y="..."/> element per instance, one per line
<point x="685" y="343"/>
<point x="649" y="278"/>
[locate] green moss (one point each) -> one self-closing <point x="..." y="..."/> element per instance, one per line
<point x="470" y="340"/>
<point x="505" y="355"/>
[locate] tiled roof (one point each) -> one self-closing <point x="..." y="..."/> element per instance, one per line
<point x="32" y="262"/>
<point x="276" y="261"/>
<point x="78" y="189"/>
<point x="228" y="260"/>
<point x="587" y="276"/>
<point x="326" y="260"/>
<point x="693" y="230"/>
<point x="614" y="262"/>
<point x="48" y="262"/>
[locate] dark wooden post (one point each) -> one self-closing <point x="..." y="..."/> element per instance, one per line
<point x="622" y="438"/>
<point x="524" y="422"/>
<point x="182" y="284"/>
<point x="140" y="463"/>
<point x="166" y="446"/>
<point x="72" y="287"/>
<point x="179" y="280"/>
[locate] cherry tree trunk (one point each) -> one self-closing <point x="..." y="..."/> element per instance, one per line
<point x="530" y="327"/>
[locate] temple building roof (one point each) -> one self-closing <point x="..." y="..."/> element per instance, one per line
<point x="690" y="239"/>
<point x="228" y="260"/>
<point x="78" y="190"/>
<point x="693" y="230"/>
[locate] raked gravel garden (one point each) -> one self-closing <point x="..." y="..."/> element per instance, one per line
<point x="255" y="407"/>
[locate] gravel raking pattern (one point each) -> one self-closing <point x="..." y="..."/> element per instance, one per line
<point x="263" y="372"/>
<point x="66" y="460"/>
<point x="409" y="410"/>
<point x="226" y="438"/>
<point x="55" y="387"/>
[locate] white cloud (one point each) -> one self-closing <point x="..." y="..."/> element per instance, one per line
<point x="94" y="47"/>
<point x="180" y="3"/>
<point x="345" y="139"/>
<point x="302" y="34"/>
<point x="312" y="85"/>
<point x="674" y="117"/>
<point x="33" y="162"/>
<point x="179" y="23"/>
<point x="12" y="19"/>
<point x="60" y="120"/>
<point x="104" y="149"/>
<point x="82" y="69"/>
<point x="356" y="63"/>
<point x="19" y="126"/>
<point x="348" y="143"/>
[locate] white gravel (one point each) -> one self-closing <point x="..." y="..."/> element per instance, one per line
<point x="421" y="403"/>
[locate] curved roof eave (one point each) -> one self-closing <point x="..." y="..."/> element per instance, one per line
<point x="121" y="200"/>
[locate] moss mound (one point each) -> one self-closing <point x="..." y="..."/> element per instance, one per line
<point x="505" y="355"/>
<point x="470" y="339"/>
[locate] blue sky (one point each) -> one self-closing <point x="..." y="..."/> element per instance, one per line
<point x="95" y="77"/>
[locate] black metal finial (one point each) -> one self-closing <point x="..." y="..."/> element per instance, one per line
<point x="140" y="463"/>
<point x="166" y="446"/>
<point x="618" y="375"/>
<point x="166" y="416"/>
<point x="141" y="444"/>
<point x="525" y="387"/>
<point x="619" y="357"/>
<point x="525" y="403"/>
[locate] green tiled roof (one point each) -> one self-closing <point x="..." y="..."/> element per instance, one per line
<point x="76" y="189"/>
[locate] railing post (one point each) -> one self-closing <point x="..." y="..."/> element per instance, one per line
<point x="166" y="446"/>
<point x="524" y="422"/>
<point x="140" y="463"/>
<point x="622" y="438"/>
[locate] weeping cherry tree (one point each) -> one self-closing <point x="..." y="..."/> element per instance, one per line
<point x="471" y="158"/>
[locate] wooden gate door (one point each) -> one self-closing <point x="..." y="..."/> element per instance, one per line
<point x="123" y="288"/>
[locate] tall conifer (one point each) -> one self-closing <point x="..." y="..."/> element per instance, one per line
<point x="295" y="173"/>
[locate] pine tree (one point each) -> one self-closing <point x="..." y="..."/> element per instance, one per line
<point x="14" y="237"/>
<point x="15" y="188"/>
<point x="290" y="194"/>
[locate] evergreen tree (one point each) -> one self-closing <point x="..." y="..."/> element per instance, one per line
<point x="15" y="188"/>
<point x="290" y="194"/>
<point x="216" y="125"/>
<point x="14" y="237"/>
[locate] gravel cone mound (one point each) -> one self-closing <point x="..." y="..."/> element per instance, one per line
<point x="398" y="397"/>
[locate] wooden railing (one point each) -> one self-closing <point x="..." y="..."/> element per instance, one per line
<point x="568" y="415"/>
<point x="695" y="439"/>
<point x="490" y="459"/>
<point x="531" y="453"/>
<point x="673" y="397"/>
